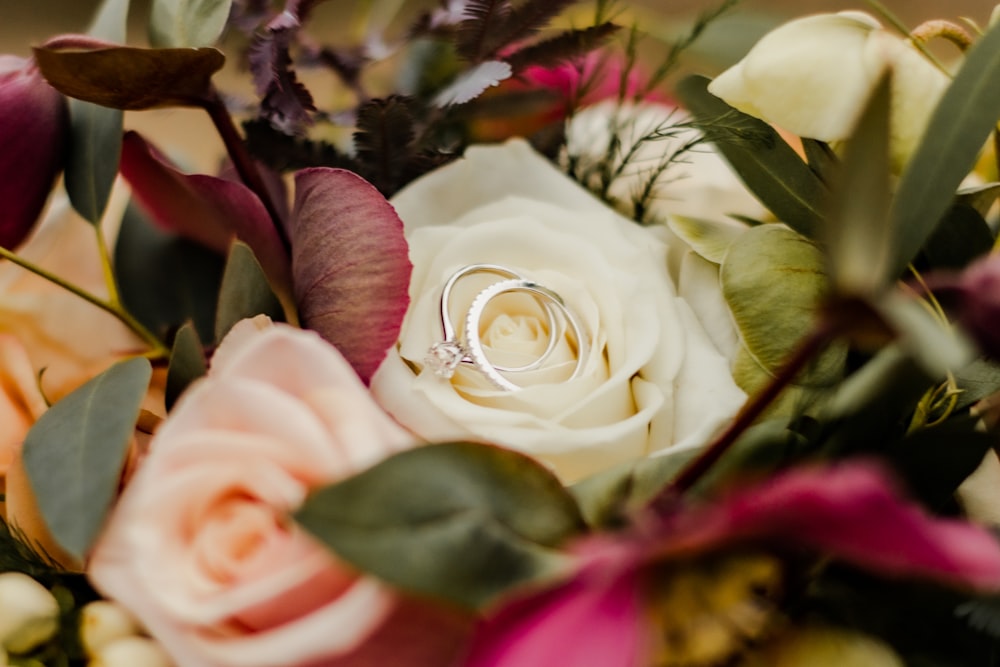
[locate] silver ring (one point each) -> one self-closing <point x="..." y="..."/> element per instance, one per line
<point x="444" y="356"/>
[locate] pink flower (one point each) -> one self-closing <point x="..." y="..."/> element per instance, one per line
<point x="200" y="547"/>
<point x="848" y="512"/>
<point x="975" y="293"/>
<point x="34" y="129"/>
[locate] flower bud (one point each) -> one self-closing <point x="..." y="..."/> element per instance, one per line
<point x="813" y="77"/>
<point x="29" y="614"/>
<point x="34" y="133"/>
<point x="103" y="622"/>
<point x="131" y="652"/>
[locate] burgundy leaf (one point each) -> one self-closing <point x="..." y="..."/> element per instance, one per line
<point x="350" y="268"/>
<point x="206" y="209"/>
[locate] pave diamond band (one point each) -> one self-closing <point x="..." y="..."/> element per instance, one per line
<point x="445" y="356"/>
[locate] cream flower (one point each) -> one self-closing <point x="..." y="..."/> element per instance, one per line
<point x="813" y="76"/>
<point x="652" y="380"/>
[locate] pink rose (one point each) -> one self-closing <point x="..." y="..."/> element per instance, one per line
<point x="200" y="547"/>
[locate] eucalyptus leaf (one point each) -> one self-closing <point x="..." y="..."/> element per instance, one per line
<point x="187" y="363"/>
<point x="821" y="158"/>
<point x="962" y="237"/>
<point x="130" y="78"/>
<point x="187" y="23"/>
<point x="709" y="238"/>
<point x="767" y="165"/>
<point x="165" y="280"/>
<point x="961" y="123"/>
<point x="92" y="163"/>
<point x="976" y="381"/>
<point x="773" y="280"/>
<point x="458" y="521"/>
<point x="859" y="240"/>
<point x="96" y="132"/>
<point x="75" y="452"/>
<point x="245" y="291"/>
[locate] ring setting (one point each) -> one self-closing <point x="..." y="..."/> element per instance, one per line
<point x="445" y="356"/>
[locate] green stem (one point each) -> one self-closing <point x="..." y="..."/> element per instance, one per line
<point x="806" y="351"/>
<point x="107" y="267"/>
<point x="111" y="307"/>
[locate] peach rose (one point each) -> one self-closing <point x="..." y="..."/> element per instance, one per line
<point x="200" y="547"/>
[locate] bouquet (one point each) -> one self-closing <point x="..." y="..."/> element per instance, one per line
<point x="500" y="337"/>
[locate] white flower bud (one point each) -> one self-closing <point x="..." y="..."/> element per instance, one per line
<point x="102" y="622"/>
<point x="131" y="652"/>
<point x="29" y="614"/>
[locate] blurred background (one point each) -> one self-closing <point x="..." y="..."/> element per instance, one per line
<point x="190" y="135"/>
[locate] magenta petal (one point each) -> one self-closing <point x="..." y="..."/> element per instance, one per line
<point x="851" y="512"/>
<point x="205" y="209"/>
<point x="595" y="619"/>
<point x="350" y="266"/>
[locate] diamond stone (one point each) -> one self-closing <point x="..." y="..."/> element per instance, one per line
<point x="444" y="357"/>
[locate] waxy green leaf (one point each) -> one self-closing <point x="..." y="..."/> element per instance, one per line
<point x="75" y="452"/>
<point x="187" y="23"/>
<point x="459" y="521"/>
<point x="129" y="78"/>
<point x="962" y="121"/>
<point x="96" y="132"/>
<point x="774" y="280"/>
<point x="245" y="291"/>
<point x="768" y="166"/>
<point x="187" y="363"/>
<point x="859" y="239"/>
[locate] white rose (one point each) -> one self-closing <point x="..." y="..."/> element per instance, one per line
<point x="813" y="76"/>
<point x="650" y="151"/>
<point x="653" y="381"/>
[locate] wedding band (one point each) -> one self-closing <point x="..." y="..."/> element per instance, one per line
<point x="444" y="356"/>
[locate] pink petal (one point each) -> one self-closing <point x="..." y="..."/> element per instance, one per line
<point x="350" y="267"/>
<point x="852" y="512"/>
<point x="595" y="619"/>
<point x="205" y="209"/>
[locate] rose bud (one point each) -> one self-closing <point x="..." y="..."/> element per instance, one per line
<point x="813" y="76"/>
<point x="34" y="133"/>
<point x="103" y="622"/>
<point x="29" y="614"/>
<point x="131" y="652"/>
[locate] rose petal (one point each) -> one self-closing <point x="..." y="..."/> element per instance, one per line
<point x="203" y="208"/>
<point x="349" y="262"/>
<point x="588" y="621"/>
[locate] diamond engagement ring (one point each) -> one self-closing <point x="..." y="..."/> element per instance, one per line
<point x="444" y="356"/>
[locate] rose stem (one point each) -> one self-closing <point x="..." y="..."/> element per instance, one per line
<point x="113" y="307"/>
<point x="242" y="161"/>
<point x="806" y="350"/>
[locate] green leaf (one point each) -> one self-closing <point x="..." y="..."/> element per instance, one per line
<point x="96" y="132"/>
<point x="708" y="238"/>
<point x="773" y="280"/>
<point x="165" y="280"/>
<point x="92" y="163"/>
<point x="187" y="23"/>
<point x="859" y="240"/>
<point x="458" y="521"/>
<point x="130" y="78"/>
<point x="187" y="363"/>
<point x="75" y="452"/>
<point x="962" y="121"/>
<point x="245" y="291"/>
<point x="962" y="237"/>
<point x="821" y="158"/>
<point x="767" y="165"/>
<point x="938" y="348"/>
<point x="976" y="381"/>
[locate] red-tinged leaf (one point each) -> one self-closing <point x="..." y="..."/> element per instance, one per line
<point x="205" y="209"/>
<point x="350" y="268"/>
<point x="123" y="77"/>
